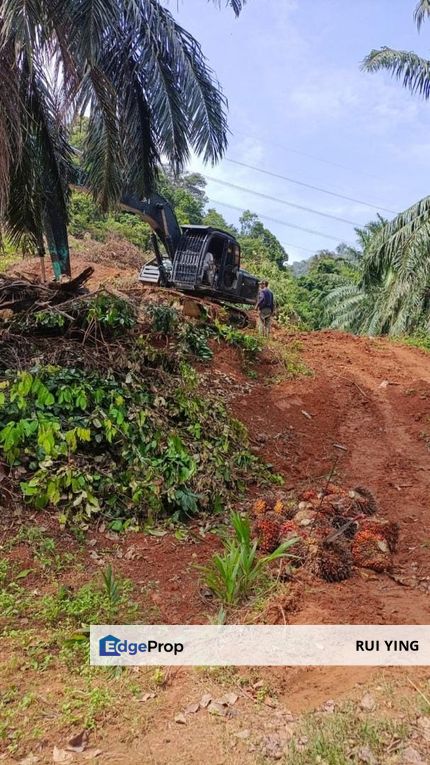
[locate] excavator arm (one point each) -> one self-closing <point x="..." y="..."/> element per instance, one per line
<point x="156" y="211"/>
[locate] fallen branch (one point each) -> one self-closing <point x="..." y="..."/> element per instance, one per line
<point x="22" y="294"/>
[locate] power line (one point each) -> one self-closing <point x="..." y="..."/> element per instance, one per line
<point x="281" y="201"/>
<point x="310" y="186"/>
<point x="281" y="222"/>
<point x="310" y="156"/>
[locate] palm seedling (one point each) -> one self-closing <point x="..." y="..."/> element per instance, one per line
<point x="234" y="574"/>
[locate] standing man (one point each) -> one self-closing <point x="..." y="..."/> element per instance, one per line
<point x="266" y="307"/>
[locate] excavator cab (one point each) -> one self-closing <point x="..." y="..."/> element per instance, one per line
<point x="207" y="261"/>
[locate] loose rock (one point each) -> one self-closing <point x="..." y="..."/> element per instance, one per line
<point x="205" y="700"/>
<point x="192" y="708"/>
<point x="215" y="708"/>
<point x="368" y="703"/>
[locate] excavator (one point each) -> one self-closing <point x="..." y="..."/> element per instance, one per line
<point x="197" y="260"/>
<point x="200" y="260"/>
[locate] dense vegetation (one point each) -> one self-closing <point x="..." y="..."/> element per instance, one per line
<point x="142" y="81"/>
<point x="134" y="440"/>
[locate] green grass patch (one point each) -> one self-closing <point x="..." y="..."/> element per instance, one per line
<point x="419" y="340"/>
<point x="336" y="739"/>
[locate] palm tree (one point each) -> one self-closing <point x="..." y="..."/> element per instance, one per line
<point x="396" y="261"/>
<point x="142" y="79"/>
<point x="381" y="295"/>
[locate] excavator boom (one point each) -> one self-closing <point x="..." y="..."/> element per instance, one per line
<point x="158" y="213"/>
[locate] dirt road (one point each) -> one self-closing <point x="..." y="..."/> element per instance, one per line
<point x="373" y="398"/>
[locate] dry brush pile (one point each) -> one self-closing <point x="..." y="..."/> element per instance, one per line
<point x="335" y="530"/>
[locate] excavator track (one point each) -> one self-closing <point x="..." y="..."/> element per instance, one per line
<point x="198" y="307"/>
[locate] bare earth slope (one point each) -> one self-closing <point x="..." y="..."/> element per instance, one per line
<point x="372" y="397"/>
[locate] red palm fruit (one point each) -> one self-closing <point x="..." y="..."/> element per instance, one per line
<point x="307" y="495"/>
<point x="289" y="529"/>
<point x="332" y="488"/>
<point x="370" y="550"/>
<point x="388" y="530"/>
<point x="267" y="529"/>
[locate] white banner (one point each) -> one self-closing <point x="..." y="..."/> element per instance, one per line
<point x="260" y="645"/>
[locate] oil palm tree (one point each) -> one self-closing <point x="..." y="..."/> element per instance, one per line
<point x="396" y="261"/>
<point x="142" y="79"/>
<point x="382" y="295"/>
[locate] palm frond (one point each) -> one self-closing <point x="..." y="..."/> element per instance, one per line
<point x="421" y="11"/>
<point x="411" y="69"/>
<point x="409" y="229"/>
<point x="102" y="155"/>
<point x="205" y="101"/>
<point x="141" y="77"/>
<point x="40" y="172"/>
<point x="10" y="127"/>
<point x="237" y="5"/>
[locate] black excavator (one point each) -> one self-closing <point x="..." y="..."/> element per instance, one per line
<point x="198" y="260"/>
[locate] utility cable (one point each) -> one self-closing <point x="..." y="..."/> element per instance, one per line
<point x="281" y="201"/>
<point x="278" y="145"/>
<point x="310" y="186"/>
<point x="280" y="222"/>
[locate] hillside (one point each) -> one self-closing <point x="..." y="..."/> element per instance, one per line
<point x="301" y="398"/>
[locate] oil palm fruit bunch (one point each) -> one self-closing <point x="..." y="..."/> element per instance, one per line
<point x="267" y="529"/>
<point x="308" y="495"/>
<point x="259" y="507"/>
<point x="279" y="507"/>
<point x="370" y="550"/>
<point x="364" y="500"/>
<point x="388" y="530"/>
<point x="332" y="561"/>
<point x="348" y="526"/>
<point x="269" y="504"/>
<point x="290" y="530"/>
<point x="357" y="502"/>
<point x="333" y="488"/>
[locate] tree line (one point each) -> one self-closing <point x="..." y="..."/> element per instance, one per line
<point x="145" y="88"/>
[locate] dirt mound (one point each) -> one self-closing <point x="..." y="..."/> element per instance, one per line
<point x="115" y="249"/>
<point x="109" y="264"/>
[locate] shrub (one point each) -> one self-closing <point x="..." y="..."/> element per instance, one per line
<point x="86" y="217"/>
<point x="91" y="443"/>
<point x="235" y="574"/>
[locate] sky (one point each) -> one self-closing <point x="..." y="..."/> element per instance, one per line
<point x="300" y="107"/>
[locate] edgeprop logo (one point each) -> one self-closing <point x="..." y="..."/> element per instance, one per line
<point x="109" y="645"/>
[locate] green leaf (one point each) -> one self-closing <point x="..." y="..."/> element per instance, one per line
<point x="24" y="573"/>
